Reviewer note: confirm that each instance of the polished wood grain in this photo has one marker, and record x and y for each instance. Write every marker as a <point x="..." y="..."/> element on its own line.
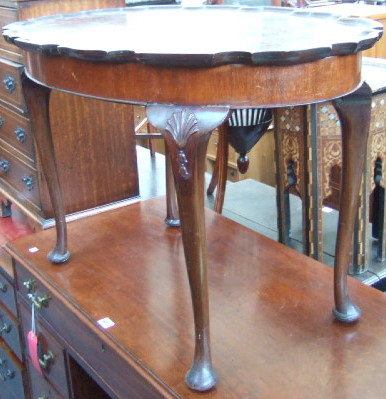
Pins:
<point x="38" y="98"/>
<point x="5" y="260"/>
<point x="354" y="114"/>
<point x="219" y="175"/>
<point x="95" y="148"/>
<point x="172" y="216"/>
<point x="187" y="131"/>
<point x="257" y="58"/>
<point x="283" y="85"/>
<point x="241" y="29"/>
<point x="272" y="327"/>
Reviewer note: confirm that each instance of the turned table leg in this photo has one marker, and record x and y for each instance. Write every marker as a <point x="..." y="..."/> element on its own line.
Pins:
<point x="354" y="111"/>
<point x="187" y="131"/>
<point x="37" y="98"/>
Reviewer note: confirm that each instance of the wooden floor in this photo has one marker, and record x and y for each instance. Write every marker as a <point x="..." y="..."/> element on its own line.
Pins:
<point x="272" y="329"/>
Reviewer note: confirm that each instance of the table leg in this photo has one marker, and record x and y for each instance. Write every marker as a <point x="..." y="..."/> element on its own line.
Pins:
<point x="37" y="98"/>
<point x="172" y="218"/>
<point x="187" y="131"/>
<point x="222" y="156"/>
<point x="354" y="111"/>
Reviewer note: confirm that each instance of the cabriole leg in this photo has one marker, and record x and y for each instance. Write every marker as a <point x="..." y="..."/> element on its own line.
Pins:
<point x="187" y="131"/>
<point x="354" y="111"/>
<point x="37" y="98"/>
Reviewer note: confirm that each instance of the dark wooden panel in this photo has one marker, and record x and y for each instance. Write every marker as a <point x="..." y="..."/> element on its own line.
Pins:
<point x="56" y="370"/>
<point x="95" y="146"/>
<point x="15" y="129"/>
<point x="6" y="266"/>
<point x="83" y="385"/>
<point x="9" y="331"/>
<point x="272" y="328"/>
<point x="11" y="93"/>
<point x="40" y="387"/>
<point x="20" y="175"/>
<point x="85" y="341"/>
<point x="7" y="294"/>
<point x="13" y="375"/>
<point x="285" y="85"/>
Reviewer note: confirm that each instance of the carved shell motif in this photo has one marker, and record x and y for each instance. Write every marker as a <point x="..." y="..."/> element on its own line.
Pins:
<point x="181" y="126"/>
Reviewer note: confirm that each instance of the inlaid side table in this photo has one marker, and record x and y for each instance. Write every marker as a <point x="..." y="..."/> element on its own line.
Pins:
<point x="190" y="80"/>
<point x="314" y="175"/>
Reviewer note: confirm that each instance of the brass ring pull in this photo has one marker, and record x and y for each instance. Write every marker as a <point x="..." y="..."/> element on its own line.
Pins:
<point x="46" y="360"/>
<point x="6" y="329"/>
<point x="39" y="301"/>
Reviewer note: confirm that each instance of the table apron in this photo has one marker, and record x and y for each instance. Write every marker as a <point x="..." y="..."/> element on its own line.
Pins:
<point x="237" y="86"/>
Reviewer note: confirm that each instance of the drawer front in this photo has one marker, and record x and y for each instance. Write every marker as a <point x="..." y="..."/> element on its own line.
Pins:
<point x="101" y="359"/>
<point x="15" y="130"/>
<point x="40" y="387"/>
<point x="9" y="331"/>
<point x="19" y="175"/>
<point x="11" y="376"/>
<point x="51" y="353"/>
<point x="7" y="50"/>
<point x="7" y="294"/>
<point x="29" y="288"/>
<point x="11" y="92"/>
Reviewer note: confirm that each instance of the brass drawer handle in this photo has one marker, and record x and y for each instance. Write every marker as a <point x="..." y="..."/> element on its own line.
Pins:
<point x="20" y="134"/>
<point x="30" y="284"/>
<point x="10" y="84"/>
<point x="29" y="182"/>
<point x="9" y="374"/>
<point x="4" y="165"/>
<point x="6" y="329"/>
<point x="3" y="287"/>
<point x="39" y="301"/>
<point x="46" y="359"/>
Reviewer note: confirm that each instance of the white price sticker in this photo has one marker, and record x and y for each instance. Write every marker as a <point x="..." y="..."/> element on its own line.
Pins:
<point x="106" y="323"/>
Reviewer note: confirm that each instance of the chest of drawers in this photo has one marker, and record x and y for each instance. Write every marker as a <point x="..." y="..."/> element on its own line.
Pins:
<point x="87" y="183"/>
<point x="13" y="375"/>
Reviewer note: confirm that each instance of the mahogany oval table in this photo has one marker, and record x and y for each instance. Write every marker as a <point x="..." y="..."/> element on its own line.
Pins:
<point x="190" y="66"/>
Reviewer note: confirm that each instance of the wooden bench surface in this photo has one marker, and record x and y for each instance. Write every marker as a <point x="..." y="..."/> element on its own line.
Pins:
<point x="273" y="334"/>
